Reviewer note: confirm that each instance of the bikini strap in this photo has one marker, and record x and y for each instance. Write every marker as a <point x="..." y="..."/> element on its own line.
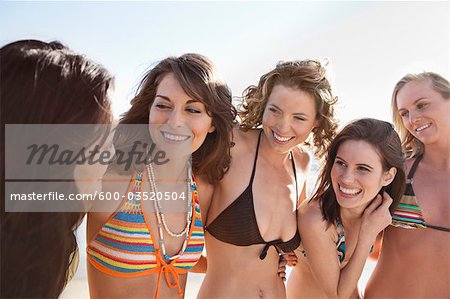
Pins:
<point x="409" y="178"/>
<point x="295" y="176"/>
<point x="256" y="158"/>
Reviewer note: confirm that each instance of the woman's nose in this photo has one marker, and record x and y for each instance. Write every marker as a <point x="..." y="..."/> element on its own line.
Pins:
<point x="176" y="119"/>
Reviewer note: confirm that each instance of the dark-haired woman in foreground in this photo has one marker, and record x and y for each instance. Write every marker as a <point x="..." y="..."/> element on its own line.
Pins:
<point x="47" y="83"/>
<point x="144" y="248"/>
<point x="362" y="178"/>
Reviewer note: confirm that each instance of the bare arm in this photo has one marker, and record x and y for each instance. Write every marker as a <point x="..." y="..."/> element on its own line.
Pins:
<point x="321" y="249"/>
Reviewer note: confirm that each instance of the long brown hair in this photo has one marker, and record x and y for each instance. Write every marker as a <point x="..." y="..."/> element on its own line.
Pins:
<point x="382" y="136"/>
<point x="412" y="146"/>
<point x="44" y="83"/>
<point x="195" y="73"/>
<point x="307" y="75"/>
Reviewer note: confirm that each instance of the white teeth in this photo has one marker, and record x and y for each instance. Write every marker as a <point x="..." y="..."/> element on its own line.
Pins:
<point x="280" y="138"/>
<point x="419" y="129"/>
<point x="172" y="137"/>
<point x="349" y="191"/>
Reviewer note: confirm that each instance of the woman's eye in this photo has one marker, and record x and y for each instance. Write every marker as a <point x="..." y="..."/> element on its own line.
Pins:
<point x="300" y="118"/>
<point x="162" y="106"/>
<point x="271" y="109"/>
<point x="363" y="169"/>
<point x="193" y="110"/>
<point x="404" y="114"/>
<point x="421" y="105"/>
<point x="339" y="163"/>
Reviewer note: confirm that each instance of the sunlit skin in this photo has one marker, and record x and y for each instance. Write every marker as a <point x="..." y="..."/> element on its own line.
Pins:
<point x="176" y="121"/>
<point x="424" y="112"/>
<point x="357" y="176"/>
<point x="236" y="271"/>
<point x="414" y="263"/>
<point x="288" y="118"/>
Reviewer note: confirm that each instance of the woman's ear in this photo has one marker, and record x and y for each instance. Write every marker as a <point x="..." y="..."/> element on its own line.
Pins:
<point x="389" y="176"/>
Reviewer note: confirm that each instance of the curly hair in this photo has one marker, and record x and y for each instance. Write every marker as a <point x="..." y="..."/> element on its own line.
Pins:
<point x="195" y="73"/>
<point x="306" y="75"/>
<point x="411" y="145"/>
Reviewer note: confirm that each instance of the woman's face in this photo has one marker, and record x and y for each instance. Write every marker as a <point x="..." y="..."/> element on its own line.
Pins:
<point x="178" y="123"/>
<point x="288" y="118"/>
<point x="357" y="174"/>
<point x="424" y="112"/>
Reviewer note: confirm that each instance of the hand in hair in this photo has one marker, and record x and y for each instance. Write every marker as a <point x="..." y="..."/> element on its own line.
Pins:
<point x="376" y="217"/>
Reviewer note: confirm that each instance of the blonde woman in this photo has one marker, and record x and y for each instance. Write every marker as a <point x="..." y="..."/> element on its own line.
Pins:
<point x="415" y="256"/>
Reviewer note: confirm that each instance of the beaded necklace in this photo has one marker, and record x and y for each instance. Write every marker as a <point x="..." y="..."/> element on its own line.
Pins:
<point x="162" y="223"/>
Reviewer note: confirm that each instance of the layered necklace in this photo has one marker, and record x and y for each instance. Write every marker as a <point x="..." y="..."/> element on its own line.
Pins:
<point x="162" y="223"/>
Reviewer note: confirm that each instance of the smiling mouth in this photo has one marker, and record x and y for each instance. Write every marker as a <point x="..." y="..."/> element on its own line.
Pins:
<point x="348" y="191"/>
<point x="280" y="138"/>
<point x="175" y="137"/>
<point x="421" y="128"/>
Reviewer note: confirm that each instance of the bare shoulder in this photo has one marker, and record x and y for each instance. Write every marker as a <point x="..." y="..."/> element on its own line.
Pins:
<point x="243" y="140"/>
<point x="311" y="223"/>
<point x="309" y="213"/>
<point x="205" y="192"/>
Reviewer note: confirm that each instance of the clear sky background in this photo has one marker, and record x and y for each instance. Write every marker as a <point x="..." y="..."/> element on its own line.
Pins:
<point x="370" y="45"/>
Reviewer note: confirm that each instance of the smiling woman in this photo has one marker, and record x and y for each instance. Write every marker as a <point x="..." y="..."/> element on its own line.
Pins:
<point x="362" y="179"/>
<point x="415" y="252"/>
<point x="145" y="249"/>
<point x="253" y="216"/>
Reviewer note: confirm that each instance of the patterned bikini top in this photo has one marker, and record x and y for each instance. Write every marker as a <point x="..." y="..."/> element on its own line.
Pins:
<point x="340" y="243"/>
<point x="408" y="213"/>
<point x="125" y="245"/>
<point x="237" y="223"/>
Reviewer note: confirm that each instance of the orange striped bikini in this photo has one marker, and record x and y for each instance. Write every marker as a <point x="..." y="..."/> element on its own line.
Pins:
<point x="125" y="247"/>
<point x="408" y="213"/>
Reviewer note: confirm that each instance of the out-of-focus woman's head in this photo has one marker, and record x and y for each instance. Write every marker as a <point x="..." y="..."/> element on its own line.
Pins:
<point x="45" y="83"/>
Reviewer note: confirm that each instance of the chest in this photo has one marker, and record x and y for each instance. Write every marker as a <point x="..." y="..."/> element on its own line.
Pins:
<point x="432" y="192"/>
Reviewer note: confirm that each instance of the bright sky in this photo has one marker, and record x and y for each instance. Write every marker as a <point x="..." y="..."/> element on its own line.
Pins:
<point x="370" y="44"/>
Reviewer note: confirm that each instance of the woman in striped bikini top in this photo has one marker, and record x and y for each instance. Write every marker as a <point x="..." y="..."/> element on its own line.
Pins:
<point x="408" y="213"/>
<point x="415" y="253"/>
<point x="125" y="245"/>
<point x="132" y="249"/>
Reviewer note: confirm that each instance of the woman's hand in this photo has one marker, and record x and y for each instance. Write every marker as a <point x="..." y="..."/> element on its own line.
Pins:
<point x="376" y="217"/>
<point x="289" y="259"/>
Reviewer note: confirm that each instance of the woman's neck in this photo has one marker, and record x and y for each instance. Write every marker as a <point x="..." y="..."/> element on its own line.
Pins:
<point x="175" y="169"/>
<point x="270" y="155"/>
<point x="437" y="156"/>
<point x="351" y="217"/>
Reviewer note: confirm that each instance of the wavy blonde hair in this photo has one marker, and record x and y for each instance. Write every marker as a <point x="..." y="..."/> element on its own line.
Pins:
<point x="412" y="146"/>
<point x="306" y="75"/>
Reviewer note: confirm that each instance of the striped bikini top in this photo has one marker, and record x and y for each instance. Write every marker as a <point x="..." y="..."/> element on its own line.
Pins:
<point x="125" y="245"/>
<point x="408" y="213"/>
<point x="340" y="243"/>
